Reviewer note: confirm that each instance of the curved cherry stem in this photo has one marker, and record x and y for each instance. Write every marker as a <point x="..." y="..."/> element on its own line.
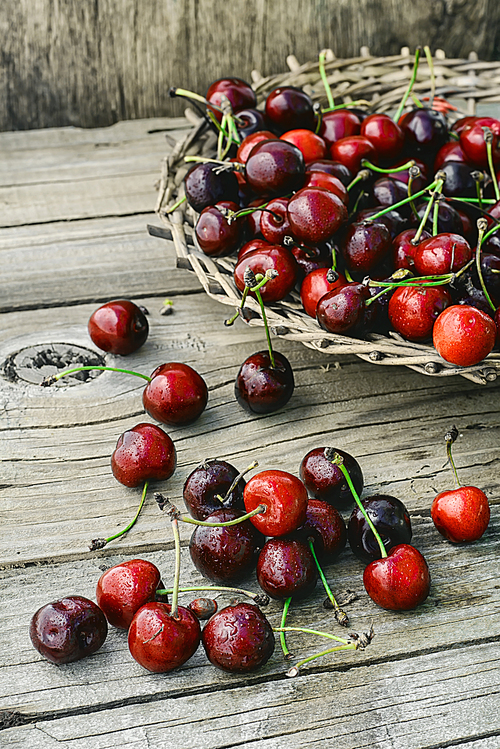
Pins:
<point x="340" y="615"/>
<point x="415" y="282"/>
<point x="373" y="168"/>
<point x="259" y="510"/>
<point x="238" y="478"/>
<point x="488" y="138"/>
<point x="282" y="629"/>
<point x="261" y="599"/>
<point x="322" y="72"/>
<point x="338" y="460"/>
<point x="361" y="176"/>
<point x="294" y="670"/>
<point x="230" y="166"/>
<point x="403" y="202"/>
<point x="51" y="379"/>
<point x="348" y="105"/>
<point x="100" y="543"/>
<point x="307" y="631"/>
<point x="481" y="227"/>
<point x="410" y="86"/>
<point x="450" y="438"/>
<point x="174" y="612"/>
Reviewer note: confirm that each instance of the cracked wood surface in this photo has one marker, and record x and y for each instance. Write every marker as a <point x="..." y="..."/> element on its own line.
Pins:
<point x="430" y="677"/>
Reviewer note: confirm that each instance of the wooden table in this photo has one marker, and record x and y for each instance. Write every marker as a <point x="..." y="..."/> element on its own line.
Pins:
<point x="74" y="205"/>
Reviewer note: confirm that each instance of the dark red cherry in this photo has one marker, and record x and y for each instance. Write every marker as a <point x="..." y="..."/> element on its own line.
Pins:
<point x="142" y="453"/>
<point x="312" y="146"/>
<point x="205" y="185"/>
<point x="425" y="131"/>
<point x="119" y="327"/>
<point x="285" y="498"/>
<point x="451" y="151"/>
<point x="490" y="270"/>
<point x="239" y="93"/>
<point x="344" y="310"/>
<point x="413" y="310"/>
<point x="365" y="245"/>
<point x="123" y="589"/>
<point x="385" y="134"/>
<point x="387" y="191"/>
<point x="286" y="568"/>
<point x="209" y="481"/>
<point x="238" y="638"/>
<point x="262" y="388"/>
<point x="461" y="514"/>
<point x="314" y="286"/>
<point x="225" y="555"/>
<point x="352" y="150"/>
<point x="328" y="182"/>
<point x="311" y="258"/>
<point x="274" y="223"/>
<point x="315" y="214"/>
<point x="68" y="630"/>
<point x="326" y="527"/>
<point x="161" y="642"/>
<point x="339" y="124"/>
<point x="393" y="221"/>
<point x="177" y="394"/>
<point x="275" y="258"/>
<point x="391" y="519"/>
<point x="249" y="121"/>
<point x="449" y="220"/>
<point x="399" y="582"/>
<point x="444" y="253"/>
<point x="203" y="608"/>
<point x="334" y="168"/>
<point x="403" y="249"/>
<point x="253" y="244"/>
<point x="274" y="167"/>
<point x="459" y="182"/>
<point x="217" y="236"/>
<point x="325" y="481"/>
<point x="288" y="108"/>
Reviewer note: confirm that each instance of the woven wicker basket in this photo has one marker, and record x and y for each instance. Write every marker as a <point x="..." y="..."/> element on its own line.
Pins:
<point x="382" y="81"/>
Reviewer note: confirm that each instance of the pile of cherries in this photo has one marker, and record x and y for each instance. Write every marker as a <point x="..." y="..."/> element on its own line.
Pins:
<point x="372" y="220"/>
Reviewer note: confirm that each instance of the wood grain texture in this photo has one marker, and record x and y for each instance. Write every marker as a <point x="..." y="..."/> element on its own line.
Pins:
<point x="91" y="64"/>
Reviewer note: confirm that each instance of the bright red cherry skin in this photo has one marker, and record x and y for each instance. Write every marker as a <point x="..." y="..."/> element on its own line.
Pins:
<point x="239" y="93"/>
<point x="123" y="589"/>
<point x="312" y="146"/>
<point x="444" y="253"/>
<point x="451" y="151"/>
<point x="315" y="214"/>
<point x="142" y="453"/>
<point x="161" y="642"/>
<point x="274" y="223"/>
<point x="403" y="250"/>
<point x="177" y="394"/>
<point x="339" y="124"/>
<point x="273" y="257"/>
<point x="314" y="286"/>
<point x="463" y="335"/>
<point x="399" y="582"/>
<point x="473" y="144"/>
<point x="461" y="514"/>
<point x="413" y="310"/>
<point x="68" y="630"/>
<point x="274" y="167"/>
<point x="334" y="168"/>
<point x="285" y="497"/>
<point x="286" y="568"/>
<point x="352" y="150"/>
<point x="253" y="244"/>
<point x="119" y="327"/>
<point x="238" y="638"/>
<point x="385" y="134"/>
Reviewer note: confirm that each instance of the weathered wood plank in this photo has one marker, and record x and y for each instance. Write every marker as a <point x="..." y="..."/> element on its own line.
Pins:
<point x="129" y="53"/>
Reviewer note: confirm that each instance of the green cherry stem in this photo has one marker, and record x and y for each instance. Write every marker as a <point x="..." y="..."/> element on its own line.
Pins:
<point x="403" y="202"/>
<point x="100" y="543"/>
<point x="488" y="138"/>
<point x="340" y="615"/>
<point x="259" y="510"/>
<point x="266" y="326"/>
<point x="436" y="190"/>
<point x="413" y="173"/>
<point x="361" y="176"/>
<point x="410" y="86"/>
<point x="261" y="599"/>
<point x="294" y="670"/>
<point x="450" y="438"/>
<point x="322" y="72"/>
<point x="373" y="168"/>
<point x="307" y="631"/>
<point x="176" y="205"/>
<point x="482" y="225"/>
<point x="282" y="630"/>
<point x="338" y="460"/>
<point x="177" y="570"/>
<point x="51" y="379"/>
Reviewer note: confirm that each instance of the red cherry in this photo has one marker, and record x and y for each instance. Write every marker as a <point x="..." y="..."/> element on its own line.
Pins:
<point x="253" y="244"/>
<point x="285" y="497"/>
<point x="247" y="144"/>
<point x="239" y="93"/>
<point x="352" y="150"/>
<point x="275" y="258"/>
<point x="124" y="588"/>
<point x="339" y="124"/>
<point x="315" y="214"/>
<point x="365" y="245"/>
<point x="314" y="286"/>
<point x="403" y="250"/>
<point x="326" y="482"/>
<point x="400" y="581"/>
<point x="451" y="151"/>
<point x="413" y="310"/>
<point x="286" y="568"/>
<point x="216" y="236"/>
<point x="288" y="107"/>
<point x="473" y="143"/>
<point x="274" y="223"/>
<point x="312" y="146"/>
<point x="142" y="453"/>
<point x="327" y="527"/>
<point x="444" y="253"/>
<point x="262" y="388"/>
<point x="177" y="394"/>
<point x="328" y="182"/>
<point x="274" y="167"/>
<point x="385" y="134"/>
<point x="119" y="327"/>
<point x="461" y="514"/>
<point x="161" y="642"/>
<point x="344" y="309"/>
<point x="334" y="168"/>
<point x="464" y="335"/>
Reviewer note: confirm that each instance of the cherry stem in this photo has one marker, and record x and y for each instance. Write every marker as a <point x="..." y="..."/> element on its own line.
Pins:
<point x="435" y="218"/>
<point x="261" y="599"/>
<point x="259" y="510"/>
<point x="361" y="176"/>
<point x="488" y="137"/>
<point x="239" y="477"/>
<point x="322" y="73"/>
<point x="175" y="205"/>
<point x="450" y="438"/>
<point x="266" y="326"/>
<point x="428" y="57"/>
<point x="410" y="86"/>
<point x="286" y="653"/>
<point x="337" y="460"/>
<point x="415" y="282"/>
<point x="100" y="543"/>
<point x="340" y="615"/>
<point x="436" y="188"/>
<point x="307" y="631"/>
<point x="481" y="227"/>
<point x="294" y="671"/>
<point x="174" y="611"/>
<point x="185" y="94"/>
<point x="51" y="379"/>
<point x="402" y="202"/>
<point x="413" y="173"/>
<point x="403" y="168"/>
<point x="229" y="165"/>
<point x="347" y="105"/>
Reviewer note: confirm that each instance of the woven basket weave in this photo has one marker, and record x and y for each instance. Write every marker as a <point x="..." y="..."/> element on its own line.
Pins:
<point x="382" y="81"/>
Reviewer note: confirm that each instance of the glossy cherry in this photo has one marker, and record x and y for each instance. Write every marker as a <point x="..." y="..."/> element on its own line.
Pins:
<point x="425" y="131"/>
<point x="385" y="134"/>
<point x="209" y="481"/>
<point x="391" y="519"/>
<point x="161" y="642"/>
<point x="288" y="108"/>
<point x="142" y="453"/>
<point x="315" y="214"/>
<point x="344" y="310"/>
<point x="217" y="236"/>
<point x="124" y="588"/>
<point x="206" y="185"/>
<point x="365" y="245"/>
<point x="328" y="182"/>
<point x="247" y="144"/>
<point x="176" y="394"/>
<point x="228" y="554"/>
<point x="312" y="146"/>
<point x="310" y="259"/>
<point x="203" y="608"/>
<point x="285" y="498"/>
<point x="399" y="582"/>
<point x="444" y="253"/>
<point x="119" y="327"/>
<point x="461" y="514"/>
<point x="238" y="92"/>
<point x="339" y="124"/>
<point x="274" y="167"/>
<point x="473" y="143"/>
<point x="404" y="248"/>
<point x="335" y="168"/>
<point x="274" y="223"/>
<point x="68" y="630"/>
<point x="326" y="527"/>
<point x="286" y="568"/>
<point x="352" y="150"/>
<point x="275" y="258"/>
<point x="262" y="387"/>
<point x="325" y="481"/>
<point x="464" y="335"/>
<point x="238" y="638"/>
<point x="315" y="285"/>
<point x="413" y="310"/>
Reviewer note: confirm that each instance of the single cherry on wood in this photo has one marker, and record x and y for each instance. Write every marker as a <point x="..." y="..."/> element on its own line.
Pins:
<point x="119" y="327"/>
<point x="124" y="588"/>
<point x="176" y="394"/>
<point x="142" y="453"/>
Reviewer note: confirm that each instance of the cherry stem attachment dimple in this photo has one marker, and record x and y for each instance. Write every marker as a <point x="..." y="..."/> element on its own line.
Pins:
<point x="51" y="379"/>
<point x="410" y="86"/>
<point x="284" y="647"/>
<point x="340" y="615"/>
<point x="336" y="459"/>
<point x="261" y="599"/>
<point x="450" y="438"/>
<point x="100" y="543"/>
